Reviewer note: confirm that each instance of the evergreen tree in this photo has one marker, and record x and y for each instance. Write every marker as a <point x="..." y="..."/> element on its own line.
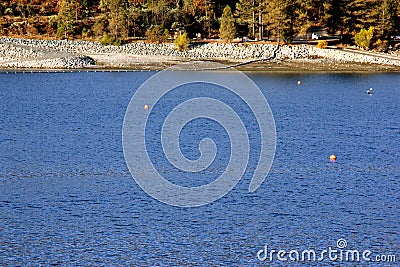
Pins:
<point x="67" y="16"/>
<point x="273" y="17"/>
<point x="284" y="18"/>
<point x="387" y="19"/>
<point x="227" y="30"/>
<point x="116" y="14"/>
<point x="289" y="12"/>
<point x="315" y="9"/>
<point x="338" y="16"/>
<point x="364" y="13"/>
<point x="247" y="11"/>
<point x="305" y="15"/>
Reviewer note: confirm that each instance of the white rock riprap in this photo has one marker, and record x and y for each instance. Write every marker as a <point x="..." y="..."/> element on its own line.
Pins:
<point x="19" y="55"/>
<point x="10" y="52"/>
<point x="345" y="56"/>
<point x="74" y="62"/>
<point x="29" y="53"/>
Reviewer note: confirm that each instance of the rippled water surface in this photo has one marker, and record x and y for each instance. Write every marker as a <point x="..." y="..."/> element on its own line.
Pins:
<point x="67" y="197"/>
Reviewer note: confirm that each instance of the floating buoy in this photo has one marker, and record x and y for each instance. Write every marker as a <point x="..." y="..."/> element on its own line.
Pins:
<point x="299" y="82"/>
<point x="146" y="107"/>
<point x="369" y="91"/>
<point x="332" y="158"/>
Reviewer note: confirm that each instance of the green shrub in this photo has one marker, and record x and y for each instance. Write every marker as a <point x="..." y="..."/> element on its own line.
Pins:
<point x="8" y="11"/>
<point x="363" y="38"/>
<point x="84" y="33"/>
<point x="157" y="34"/>
<point x="182" y="42"/>
<point x="381" y="46"/>
<point x="117" y="42"/>
<point x="109" y="40"/>
<point x="322" y="44"/>
<point x="99" y="27"/>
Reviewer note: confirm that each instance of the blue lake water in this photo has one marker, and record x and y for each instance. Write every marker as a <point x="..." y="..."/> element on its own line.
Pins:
<point x="67" y="197"/>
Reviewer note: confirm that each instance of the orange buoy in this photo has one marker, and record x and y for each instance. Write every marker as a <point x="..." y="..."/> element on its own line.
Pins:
<point x="146" y="107"/>
<point x="332" y="158"/>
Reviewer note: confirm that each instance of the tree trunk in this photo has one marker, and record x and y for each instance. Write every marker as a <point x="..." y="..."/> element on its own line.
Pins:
<point x="254" y="24"/>
<point x="260" y="26"/>
<point x="254" y="19"/>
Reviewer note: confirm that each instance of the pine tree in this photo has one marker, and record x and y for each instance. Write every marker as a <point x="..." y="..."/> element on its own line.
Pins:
<point x="364" y="13"/>
<point x="315" y="9"/>
<point x="289" y="9"/>
<point x="387" y="19"/>
<point x="67" y="16"/>
<point x="285" y="18"/>
<point x="227" y="30"/>
<point x="247" y="11"/>
<point x="305" y="15"/>
<point x="117" y="16"/>
<point x="273" y="15"/>
<point x="338" y="16"/>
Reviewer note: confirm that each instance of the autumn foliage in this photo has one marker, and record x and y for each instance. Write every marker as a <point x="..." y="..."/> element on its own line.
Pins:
<point x="262" y="19"/>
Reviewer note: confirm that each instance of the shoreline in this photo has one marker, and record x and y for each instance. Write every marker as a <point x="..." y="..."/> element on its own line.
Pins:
<point x="285" y="67"/>
<point x="17" y="54"/>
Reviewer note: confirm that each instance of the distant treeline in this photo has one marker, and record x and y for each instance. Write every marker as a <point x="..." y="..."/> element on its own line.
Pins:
<point x="262" y="19"/>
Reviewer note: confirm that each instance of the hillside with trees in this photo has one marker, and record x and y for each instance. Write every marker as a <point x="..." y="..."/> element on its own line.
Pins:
<point x="116" y="20"/>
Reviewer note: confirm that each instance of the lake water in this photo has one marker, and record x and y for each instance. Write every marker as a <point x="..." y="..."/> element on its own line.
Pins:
<point x="67" y="197"/>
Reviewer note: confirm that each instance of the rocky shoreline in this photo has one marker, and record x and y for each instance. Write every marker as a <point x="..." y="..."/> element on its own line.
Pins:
<point x="18" y="53"/>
